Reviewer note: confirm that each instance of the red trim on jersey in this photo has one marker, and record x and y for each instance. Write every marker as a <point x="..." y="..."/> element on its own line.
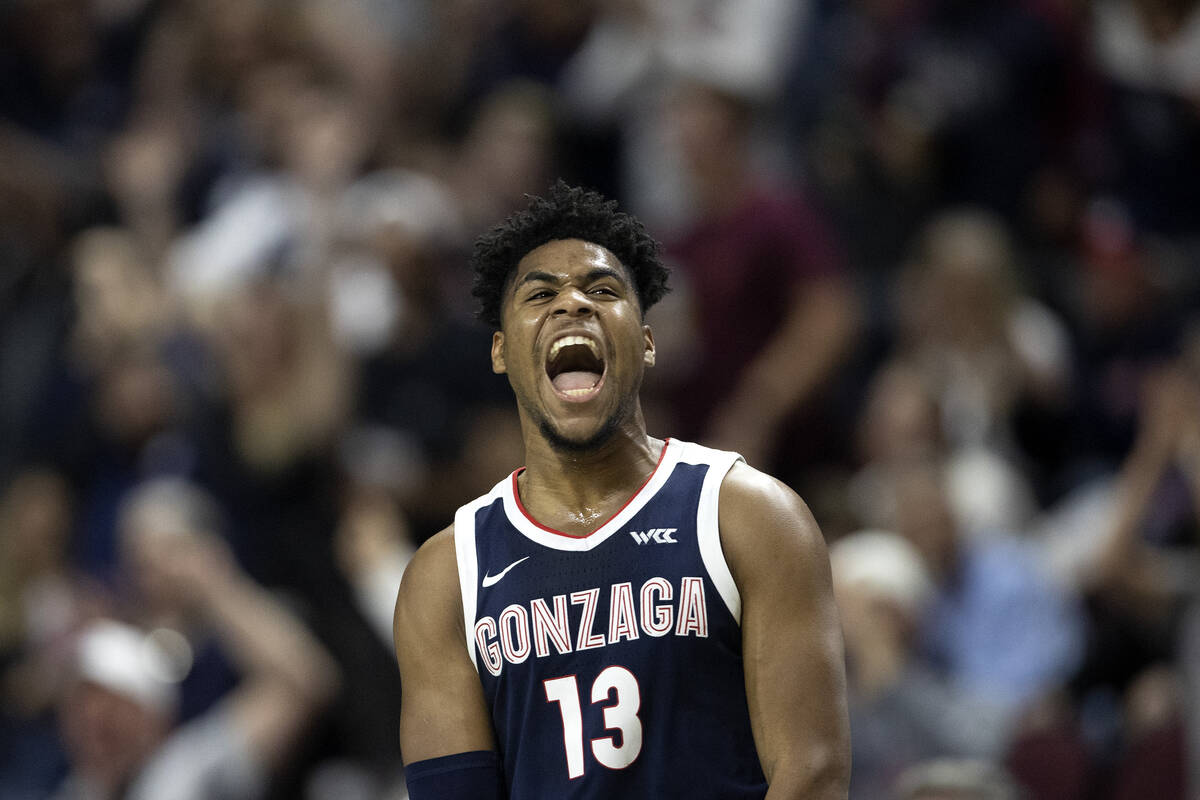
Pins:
<point x="517" y="496"/>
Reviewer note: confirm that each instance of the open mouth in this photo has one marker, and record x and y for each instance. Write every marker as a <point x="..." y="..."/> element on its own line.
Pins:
<point x="575" y="367"/>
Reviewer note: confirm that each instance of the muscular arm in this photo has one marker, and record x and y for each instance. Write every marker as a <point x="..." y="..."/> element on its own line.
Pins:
<point x="791" y="639"/>
<point x="442" y="705"/>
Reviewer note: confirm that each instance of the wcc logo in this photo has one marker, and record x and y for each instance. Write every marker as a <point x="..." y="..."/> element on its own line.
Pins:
<point x="656" y="535"/>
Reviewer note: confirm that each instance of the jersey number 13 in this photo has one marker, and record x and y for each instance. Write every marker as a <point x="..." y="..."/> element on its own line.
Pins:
<point x="612" y="682"/>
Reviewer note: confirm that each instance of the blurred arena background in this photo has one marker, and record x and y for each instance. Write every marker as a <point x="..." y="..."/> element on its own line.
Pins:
<point x="936" y="264"/>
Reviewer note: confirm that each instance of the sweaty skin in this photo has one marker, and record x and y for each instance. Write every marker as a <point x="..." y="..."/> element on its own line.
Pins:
<point x="586" y="454"/>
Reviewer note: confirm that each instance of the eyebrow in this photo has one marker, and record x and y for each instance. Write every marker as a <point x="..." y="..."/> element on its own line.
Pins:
<point x="605" y="272"/>
<point x="536" y="275"/>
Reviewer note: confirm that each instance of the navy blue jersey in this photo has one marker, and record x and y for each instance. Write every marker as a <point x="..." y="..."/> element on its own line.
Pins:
<point x="612" y="663"/>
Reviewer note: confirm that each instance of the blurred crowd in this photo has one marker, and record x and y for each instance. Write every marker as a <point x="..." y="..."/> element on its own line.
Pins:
<point x="936" y="264"/>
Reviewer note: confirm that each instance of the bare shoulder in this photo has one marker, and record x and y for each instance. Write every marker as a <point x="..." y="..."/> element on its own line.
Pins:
<point x="442" y="709"/>
<point x="764" y="522"/>
<point x="434" y="561"/>
<point x="791" y="637"/>
<point x="429" y="593"/>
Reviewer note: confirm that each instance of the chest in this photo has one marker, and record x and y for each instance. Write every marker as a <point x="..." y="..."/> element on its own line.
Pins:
<point x="627" y="597"/>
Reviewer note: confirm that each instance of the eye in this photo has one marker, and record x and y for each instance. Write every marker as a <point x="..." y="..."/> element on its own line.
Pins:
<point x="604" y="290"/>
<point x="541" y="294"/>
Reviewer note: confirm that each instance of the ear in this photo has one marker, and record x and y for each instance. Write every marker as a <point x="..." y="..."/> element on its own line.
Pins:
<point x="498" y="353"/>
<point x="648" y="353"/>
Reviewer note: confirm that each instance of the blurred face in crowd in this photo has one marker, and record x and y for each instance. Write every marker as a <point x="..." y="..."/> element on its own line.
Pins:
<point x="960" y="291"/>
<point x="135" y="399"/>
<point x="258" y="339"/>
<point x="34" y="523"/>
<point x="153" y="541"/>
<point x="900" y="419"/>
<point x="116" y="298"/>
<point x="325" y="139"/>
<point x="510" y="146"/>
<point x="708" y="125"/>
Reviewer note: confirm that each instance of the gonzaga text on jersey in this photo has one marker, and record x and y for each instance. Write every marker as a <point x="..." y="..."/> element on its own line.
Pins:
<point x="661" y="609"/>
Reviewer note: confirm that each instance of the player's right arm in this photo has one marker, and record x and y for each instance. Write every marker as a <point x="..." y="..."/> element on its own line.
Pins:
<point x="443" y="712"/>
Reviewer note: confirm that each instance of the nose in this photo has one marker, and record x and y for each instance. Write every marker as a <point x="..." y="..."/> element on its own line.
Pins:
<point x="573" y="302"/>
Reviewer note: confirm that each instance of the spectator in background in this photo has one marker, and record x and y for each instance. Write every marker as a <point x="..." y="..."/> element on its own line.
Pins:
<point x="1140" y="588"/>
<point x="288" y="387"/>
<point x="981" y="81"/>
<point x="145" y="167"/>
<point x="34" y="309"/>
<point x="44" y="600"/>
<point x="115" y="404"/>
<point x="998" y="362"/>
<point x="161" y="520"/>
<point x="265" y="450"/>
<point x="64" y="87"/>
<point x="774" y="314"/>
<point x="867" y="157"/>
<point x="1126" y="542"/>
<point x="38" y="587"/>
<point x="373" y="541"/>
<point x="622" y="74"/>
<point x="118" y="714"/>
<point x="530" y="40"/>
<point x="374" y="544"/>
<point x="905" y="107"/>
<point x="421" y="378"/>
<point x="508" y="151"/>
<point x="902" y="711"/>
<point x="901" y="422"/>
<point x="1126" y="307"/>
<point x="119" y="301"/>
<point x="277" y="216"/>
<point x="999" y="628"/>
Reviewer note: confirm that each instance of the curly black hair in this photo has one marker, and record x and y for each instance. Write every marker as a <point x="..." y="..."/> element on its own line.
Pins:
<point x="567" y="212"/>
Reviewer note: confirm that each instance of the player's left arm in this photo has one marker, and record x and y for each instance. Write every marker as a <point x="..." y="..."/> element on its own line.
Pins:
<point x="791" y="637"/>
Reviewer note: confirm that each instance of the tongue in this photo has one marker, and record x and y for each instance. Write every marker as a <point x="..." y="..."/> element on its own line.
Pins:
<point x="568" y="381"/>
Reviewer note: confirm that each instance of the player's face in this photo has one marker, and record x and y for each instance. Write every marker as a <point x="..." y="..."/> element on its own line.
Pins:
<point x="572" y="342"/>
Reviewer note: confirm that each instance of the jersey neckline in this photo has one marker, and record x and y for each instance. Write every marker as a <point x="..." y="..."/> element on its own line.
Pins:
<point x="524" y="522"/>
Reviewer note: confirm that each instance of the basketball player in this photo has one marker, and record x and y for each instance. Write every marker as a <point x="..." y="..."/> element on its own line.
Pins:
<point x="624" y="617"/>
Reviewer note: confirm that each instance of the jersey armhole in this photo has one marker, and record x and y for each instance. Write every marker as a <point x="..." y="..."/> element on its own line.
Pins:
<point x="468" y="571"/>
<point x="708" y="533"/>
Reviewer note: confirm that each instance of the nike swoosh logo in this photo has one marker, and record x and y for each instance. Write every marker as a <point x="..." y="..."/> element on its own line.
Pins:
<point x="492" y="580"/>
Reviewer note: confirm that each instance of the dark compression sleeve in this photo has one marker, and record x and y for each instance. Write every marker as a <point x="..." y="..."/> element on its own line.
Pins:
<point x="463" y="776"/>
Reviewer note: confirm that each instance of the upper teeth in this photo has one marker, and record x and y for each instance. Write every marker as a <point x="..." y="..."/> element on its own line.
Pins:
<point x="557" y="347"/>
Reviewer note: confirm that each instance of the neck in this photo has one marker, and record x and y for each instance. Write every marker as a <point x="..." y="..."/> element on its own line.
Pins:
<point x="577" y="491"/>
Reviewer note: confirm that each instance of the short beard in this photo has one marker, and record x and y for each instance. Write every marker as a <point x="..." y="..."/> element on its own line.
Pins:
<point x="562" y="444"/>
